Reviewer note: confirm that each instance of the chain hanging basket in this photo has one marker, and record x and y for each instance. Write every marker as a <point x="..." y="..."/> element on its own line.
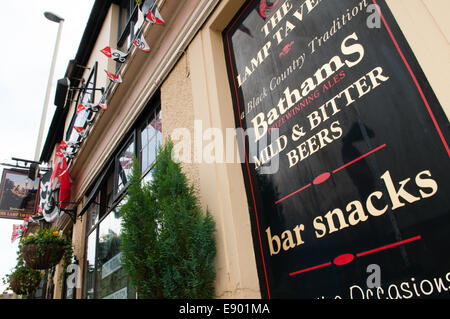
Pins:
<point x="42" y="256"/>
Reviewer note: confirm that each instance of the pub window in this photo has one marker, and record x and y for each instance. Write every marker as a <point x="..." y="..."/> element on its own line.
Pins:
<point x="103" y="274"/>
<point x="112" y="280"/>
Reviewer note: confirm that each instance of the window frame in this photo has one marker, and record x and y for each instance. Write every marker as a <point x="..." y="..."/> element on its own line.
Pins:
<point x="156" y="110"/>
<point x="117" y="193"/>
<point x="85" y="272"/>
<point x="128" y="30"/>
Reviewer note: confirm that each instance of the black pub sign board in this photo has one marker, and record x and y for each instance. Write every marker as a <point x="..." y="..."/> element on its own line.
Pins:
<point x="346" y="152"/>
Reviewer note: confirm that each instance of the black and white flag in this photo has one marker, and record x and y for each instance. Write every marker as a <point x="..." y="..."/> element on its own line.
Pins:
<point x="141" y="43"/>
<point x="114" y="54"/>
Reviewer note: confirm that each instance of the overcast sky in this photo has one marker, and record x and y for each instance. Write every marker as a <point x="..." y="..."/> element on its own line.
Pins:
<point x="27" y="45"/>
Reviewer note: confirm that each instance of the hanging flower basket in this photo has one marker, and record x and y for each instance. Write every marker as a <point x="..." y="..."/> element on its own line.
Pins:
<point x="42" y="256"/>
<point x="24" y="285"/>
<point x="45" y="249"/>
<point x="23" y="280"/>
<point x="15" y="286"/>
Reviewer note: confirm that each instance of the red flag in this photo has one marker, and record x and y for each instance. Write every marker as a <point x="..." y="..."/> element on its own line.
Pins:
<point x="154" y="18"/>
<point x="64" y="190"/>
<point x="60" y="179"/>
<point x="107" y="51"/>
<point x="80" y="108"/>
<point x="79" y="129"/>
<point x="113" y="77"/>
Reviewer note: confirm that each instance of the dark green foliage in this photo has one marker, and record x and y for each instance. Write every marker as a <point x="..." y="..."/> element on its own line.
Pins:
<point x="168" y="243"/>
<point x="23" y="280"/>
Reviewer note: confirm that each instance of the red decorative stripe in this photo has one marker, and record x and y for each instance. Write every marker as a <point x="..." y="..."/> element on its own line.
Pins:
<point x="347" y="258"/>
<point x="388" y="246"/>
<point x="293" y="193"/>
<point x="359" y="158"/>
<point x="309" y="269"/>
<point x="323" y="177"/>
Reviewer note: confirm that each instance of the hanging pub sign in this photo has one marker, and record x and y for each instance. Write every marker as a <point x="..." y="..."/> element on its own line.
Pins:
<point x="346" y="152"/>
<point x="18" y="194"/>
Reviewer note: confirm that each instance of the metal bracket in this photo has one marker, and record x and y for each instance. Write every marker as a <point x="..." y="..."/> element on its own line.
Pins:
<point x="71" y="212"/>
<point x="86" y="89"/>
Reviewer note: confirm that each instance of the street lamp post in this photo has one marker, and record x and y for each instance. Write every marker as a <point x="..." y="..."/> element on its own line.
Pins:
<point x="52" y="17"/>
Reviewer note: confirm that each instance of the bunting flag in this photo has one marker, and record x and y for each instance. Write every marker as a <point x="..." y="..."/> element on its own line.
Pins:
<point x="18" y="230"/>
<point x="73" y="144"/>
<point x="79" y="129"/>
<point x="65" y="153"/>
<point x="114" y="54"/>
<point x="68" y="154"/>
<point x="15" y="233"/>
<point x="91" y="106"/>
<point x="154" y="17"/>
<point x="113" y="77"/>
<point x="59" y="152"/>
<point x="141" y="43"/>
<point x="29" y="219"/>
<point x="80" y="108"/>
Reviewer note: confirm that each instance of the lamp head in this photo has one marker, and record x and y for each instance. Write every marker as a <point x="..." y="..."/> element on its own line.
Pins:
<point x="53" y="17"/>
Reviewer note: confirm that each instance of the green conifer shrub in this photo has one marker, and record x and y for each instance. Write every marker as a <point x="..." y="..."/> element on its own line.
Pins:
<point x="168" y="243"/>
